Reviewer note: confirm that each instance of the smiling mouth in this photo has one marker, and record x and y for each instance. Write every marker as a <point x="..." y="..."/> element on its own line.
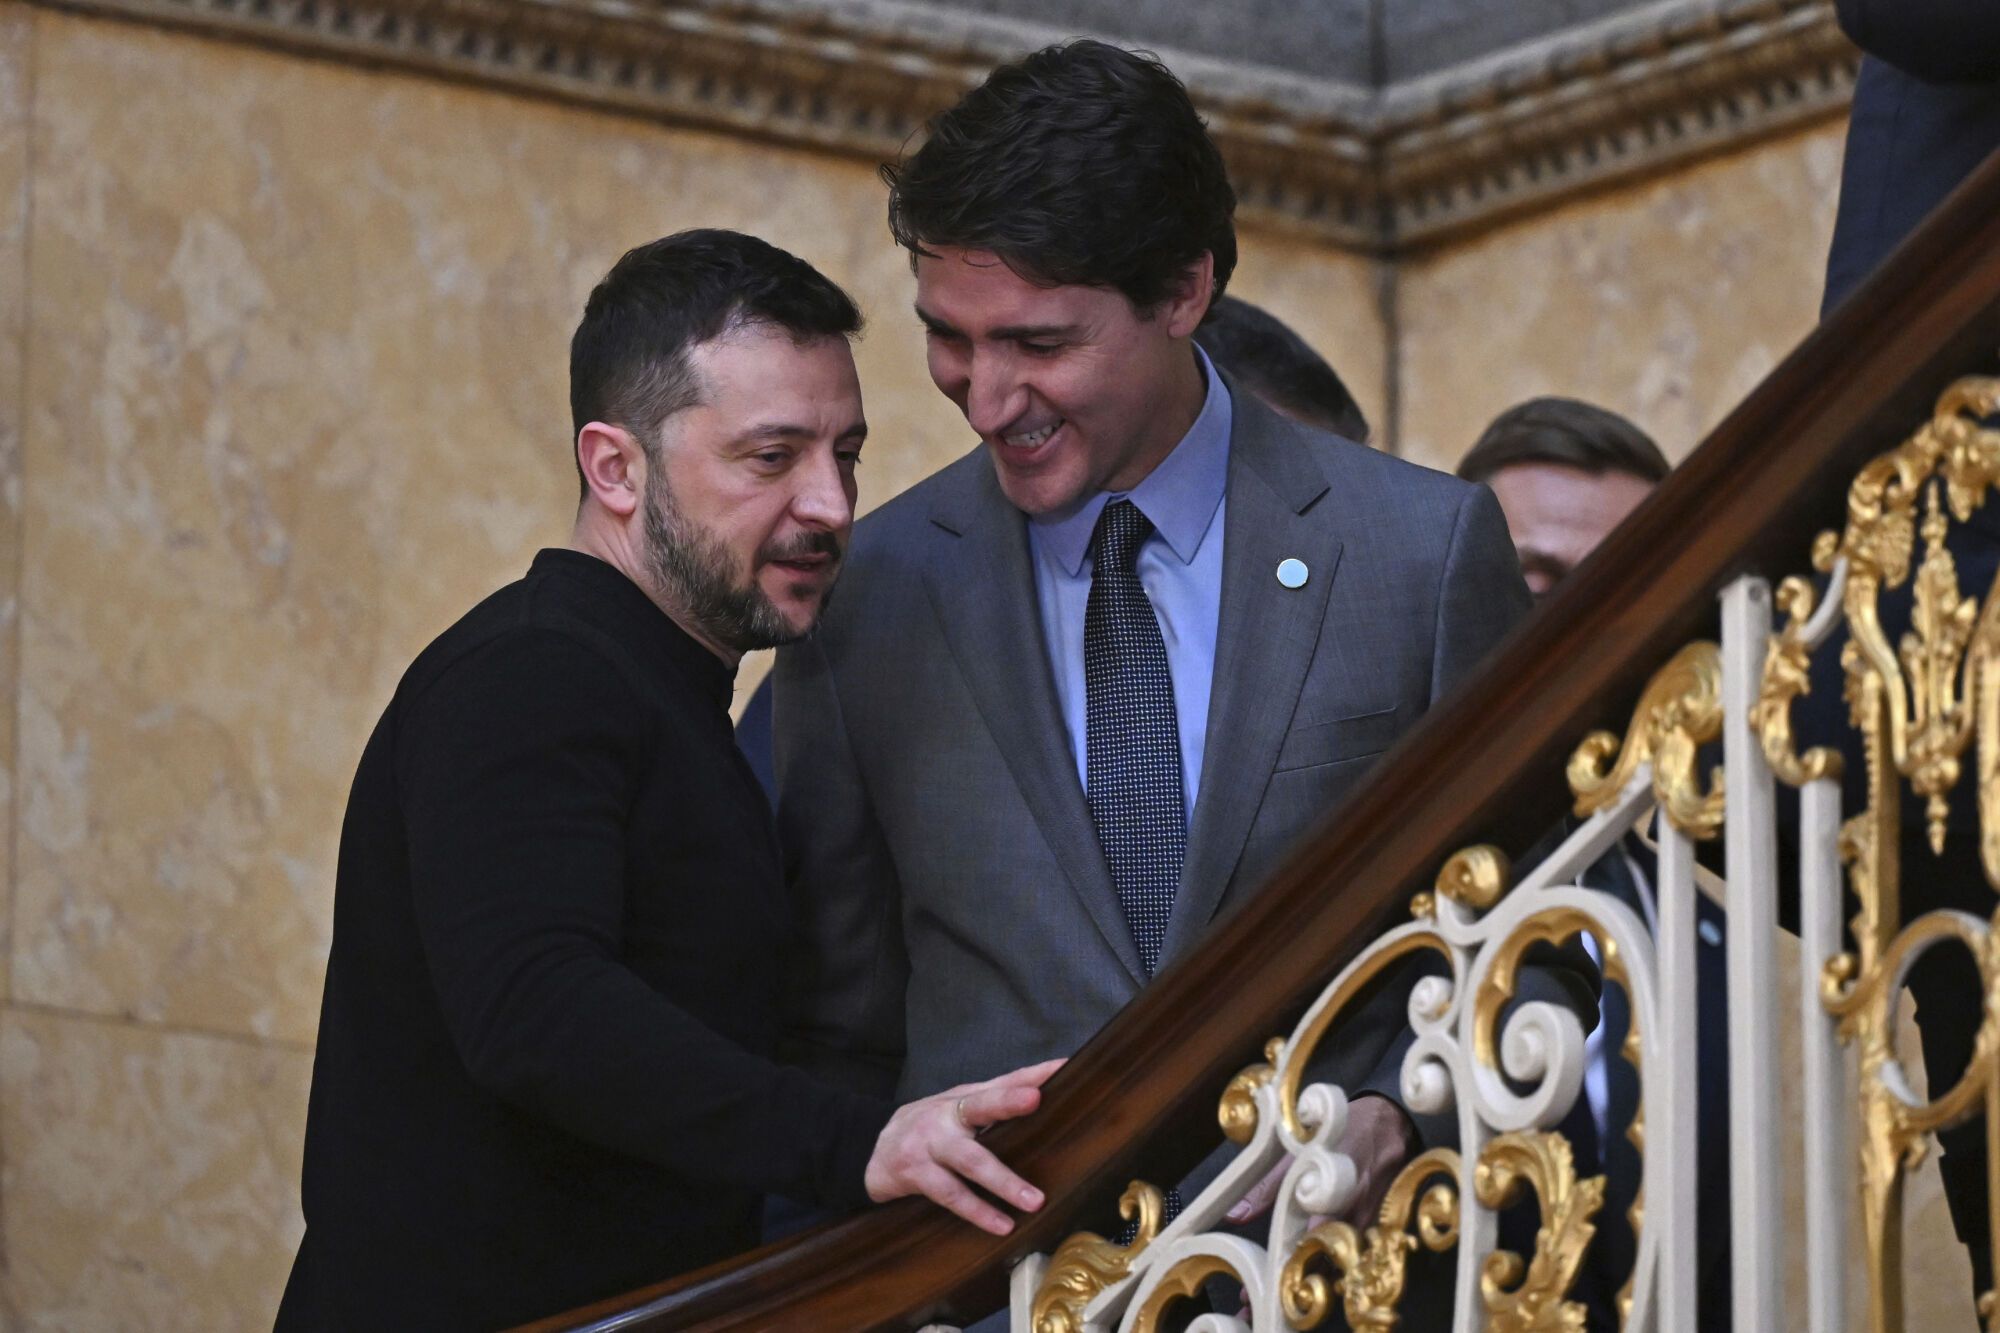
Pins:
<point x="1031" y="439"/>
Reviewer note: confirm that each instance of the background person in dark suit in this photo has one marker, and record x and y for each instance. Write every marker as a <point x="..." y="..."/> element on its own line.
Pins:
<point x="1262" y="353"/>
<point x="1926" y="112"/>
<point x="545" y="1069"/>
<point x="1567" y="473"/>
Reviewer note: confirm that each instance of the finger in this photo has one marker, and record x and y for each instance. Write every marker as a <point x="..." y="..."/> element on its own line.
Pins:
<point x="947" y="1191"/>
<point x="992" y="1105"/>
<point x="1257" y="1200"/>
<point x="1033" y="1075"/>
<point x="983" y="1169"/>
<point x="1028" y="1076"/>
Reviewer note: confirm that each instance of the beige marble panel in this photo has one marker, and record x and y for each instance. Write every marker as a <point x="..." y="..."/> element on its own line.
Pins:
<point x="16" y="78"/>
<point x="1667" y="302"/>
<point x="151" y="1178"/>
<point x="1332" y="300"/>
<point x="302" y="401"/>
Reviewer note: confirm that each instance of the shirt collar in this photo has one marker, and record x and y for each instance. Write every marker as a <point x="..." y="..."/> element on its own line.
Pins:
<point x="628" y="616"/>
<point x="1180" y="496"/>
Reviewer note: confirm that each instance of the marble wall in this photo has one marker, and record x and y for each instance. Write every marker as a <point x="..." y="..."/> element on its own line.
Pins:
<point x="282" y="391"/>
<point x="1667" y="302"/>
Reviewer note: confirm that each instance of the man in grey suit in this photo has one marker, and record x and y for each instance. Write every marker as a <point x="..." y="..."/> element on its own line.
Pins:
<point x="1087" y="685"/>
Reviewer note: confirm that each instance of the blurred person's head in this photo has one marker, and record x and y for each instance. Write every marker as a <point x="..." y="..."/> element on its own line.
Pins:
<point x="718" y="423"/>
<point x="1069" y="222"/>
<point x="1566" y="473"/>
<point x="1277" y="365"/>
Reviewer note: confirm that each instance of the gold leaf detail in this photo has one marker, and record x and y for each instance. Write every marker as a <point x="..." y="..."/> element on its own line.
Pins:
<point x="1531" y="1298"/>
<point x="1086" y="1263"/>
<point x="1379" y="959"/>
<point x="1476" y="876"/>
<point x="1931" y="652"/>
<point x="1679" y="711"/>
<point x="1787" y="672"/>
<point x="1238" y="1110"/>
<point x="1918" y="707"/>
<point x="1181" y="1282"/>
<point x="1373" y="1268"/>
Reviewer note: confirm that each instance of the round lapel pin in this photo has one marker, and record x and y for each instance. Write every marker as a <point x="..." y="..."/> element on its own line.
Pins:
<point x="1292" y="573"/>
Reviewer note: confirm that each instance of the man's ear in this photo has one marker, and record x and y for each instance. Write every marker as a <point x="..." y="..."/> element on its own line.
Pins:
<point x="1189" y="298"/>
<point x="614" y="467"/>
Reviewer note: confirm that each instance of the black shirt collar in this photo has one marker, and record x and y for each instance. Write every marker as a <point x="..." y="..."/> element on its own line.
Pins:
<point x="626" y="612"/>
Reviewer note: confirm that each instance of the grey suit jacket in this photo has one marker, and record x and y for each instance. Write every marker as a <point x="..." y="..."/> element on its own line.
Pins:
<point x="962" y="919"/>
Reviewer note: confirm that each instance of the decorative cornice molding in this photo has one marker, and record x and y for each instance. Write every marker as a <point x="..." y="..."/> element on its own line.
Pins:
<point x="1375" y="170"/>
<point x="1601" y="104"/>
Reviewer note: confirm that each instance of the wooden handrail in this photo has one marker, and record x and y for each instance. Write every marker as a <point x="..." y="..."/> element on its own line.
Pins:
<point x="1140" y="1098"/>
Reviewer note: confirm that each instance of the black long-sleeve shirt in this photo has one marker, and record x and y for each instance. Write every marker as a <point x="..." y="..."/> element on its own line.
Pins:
<point x="560" y="931"/>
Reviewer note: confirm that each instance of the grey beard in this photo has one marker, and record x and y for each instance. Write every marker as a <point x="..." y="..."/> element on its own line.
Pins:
<point x="691" y="567"/>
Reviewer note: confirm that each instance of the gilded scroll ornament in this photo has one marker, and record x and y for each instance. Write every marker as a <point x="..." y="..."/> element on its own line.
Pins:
<point x="1936" y="682"/>
<point x="1534" y="1299"/>
<point x="1918" y="707"/>
<point x="1386" y="955"/>
<point x="1475" y="877"/>
<point x="1373" y="1267"/>
<point x="1679" y="712"/>
<point x="1787" y="667"/>
<point x="1086" y="1263"/>
<point x="1555" y="927"/>
<point x="1180" y="1283"/>
<point x="1894" y="1131"/>
<point x="1238" y="1109"/>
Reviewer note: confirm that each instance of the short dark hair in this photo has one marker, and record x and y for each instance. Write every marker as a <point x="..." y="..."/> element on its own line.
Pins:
<point x="1567" y="433"/>
<point x="1083" y="163"/>
<point x="628" y="361"/>
<point x="1278" y="366"/>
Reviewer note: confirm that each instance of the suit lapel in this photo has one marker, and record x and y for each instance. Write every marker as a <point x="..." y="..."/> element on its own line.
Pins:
<point x="981" y="586"/>
<point x="1264" y="644"/>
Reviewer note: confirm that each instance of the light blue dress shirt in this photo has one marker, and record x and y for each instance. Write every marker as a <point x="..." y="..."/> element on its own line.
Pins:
<point x="1180" y="567"/>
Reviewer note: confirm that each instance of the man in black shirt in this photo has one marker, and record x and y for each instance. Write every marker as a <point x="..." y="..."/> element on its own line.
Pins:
<point x="544" y="1071"/>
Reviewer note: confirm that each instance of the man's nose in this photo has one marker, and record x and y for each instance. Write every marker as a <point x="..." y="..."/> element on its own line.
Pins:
<point x="823" y="499"/>
<point x="993" y="397"/>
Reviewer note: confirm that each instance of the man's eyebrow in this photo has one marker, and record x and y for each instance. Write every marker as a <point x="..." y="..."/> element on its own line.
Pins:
<point x="1006" y="332"/>
<point x="776" y="430"/>
<point x="932" y="322"/>
<point x="790" y="430"/>
<point x="1034" y="332"/>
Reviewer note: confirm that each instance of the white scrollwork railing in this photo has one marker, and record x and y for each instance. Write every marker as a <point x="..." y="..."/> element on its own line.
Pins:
<point x="1511" y="1071"/>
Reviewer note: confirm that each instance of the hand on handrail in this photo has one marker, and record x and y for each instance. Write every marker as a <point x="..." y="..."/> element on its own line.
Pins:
<point x="929" y="1147"/>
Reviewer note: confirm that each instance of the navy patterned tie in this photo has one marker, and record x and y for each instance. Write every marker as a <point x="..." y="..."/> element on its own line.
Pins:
<point x="1133" y="740"/>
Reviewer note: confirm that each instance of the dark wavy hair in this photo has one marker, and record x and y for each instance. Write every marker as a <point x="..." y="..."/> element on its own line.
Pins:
<point x="628" y="361"/>
<point x="1082" y="163"/>
<point x="1280" y="367"/>
<point x="1568" y="433"/>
